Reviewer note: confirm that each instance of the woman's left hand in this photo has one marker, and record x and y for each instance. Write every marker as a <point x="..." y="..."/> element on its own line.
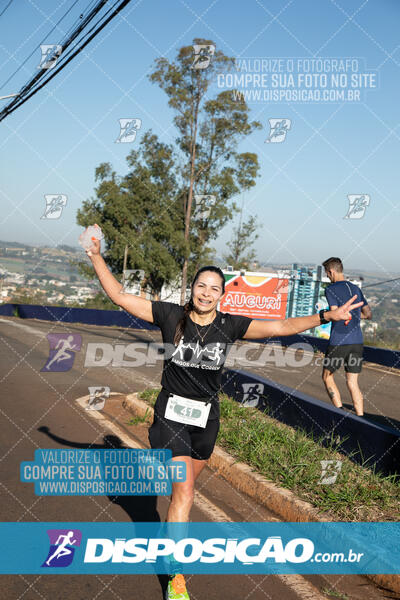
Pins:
<point x="343" y="313"/>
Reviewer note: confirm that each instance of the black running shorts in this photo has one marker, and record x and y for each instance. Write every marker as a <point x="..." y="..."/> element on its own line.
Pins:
<point x="183" y="440"/>
<point x="349" y="355"/>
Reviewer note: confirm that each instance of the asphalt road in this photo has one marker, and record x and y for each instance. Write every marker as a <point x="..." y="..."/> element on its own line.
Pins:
<point x="39" y="410"/>
<point x="302" y="371"/>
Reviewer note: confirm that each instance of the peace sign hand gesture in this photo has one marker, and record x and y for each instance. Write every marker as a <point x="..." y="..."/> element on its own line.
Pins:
<point x="343" y="313"/>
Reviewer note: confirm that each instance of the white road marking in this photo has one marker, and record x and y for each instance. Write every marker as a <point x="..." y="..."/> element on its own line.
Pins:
<point x="25" y="327"/>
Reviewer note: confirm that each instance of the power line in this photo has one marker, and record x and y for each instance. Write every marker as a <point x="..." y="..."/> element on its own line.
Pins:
<point x="379" y="282"/>
<point x="64" y="55"/>
<point x="4" y="9"/>
<point x="26" y="93"/>
<point x="304" y="279"/>
<point x="25" y="89"/>
<point x="38" y="46"/>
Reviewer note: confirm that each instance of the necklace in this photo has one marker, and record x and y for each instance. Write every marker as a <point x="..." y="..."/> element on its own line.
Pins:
<point x="207" y="330"/>
<point x="198" y="332"/>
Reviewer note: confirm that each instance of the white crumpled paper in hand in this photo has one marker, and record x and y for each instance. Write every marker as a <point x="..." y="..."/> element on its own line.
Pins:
<point x="85" y="239"/>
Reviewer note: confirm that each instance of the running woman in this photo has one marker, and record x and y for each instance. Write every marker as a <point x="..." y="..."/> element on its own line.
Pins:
<point x="197" y="337"/>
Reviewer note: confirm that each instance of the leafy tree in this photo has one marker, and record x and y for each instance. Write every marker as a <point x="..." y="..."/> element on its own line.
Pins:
<point x="210" y="130"/>
<point x="140" y="212"/>
<point x="241" y="254"/>
<point x="149" y="213"/>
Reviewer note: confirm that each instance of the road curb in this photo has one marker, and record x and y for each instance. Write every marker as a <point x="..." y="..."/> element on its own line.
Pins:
<point x="280" y="500"/>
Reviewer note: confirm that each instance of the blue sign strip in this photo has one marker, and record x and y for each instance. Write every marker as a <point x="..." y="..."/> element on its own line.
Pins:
<point x="208" y="548"/>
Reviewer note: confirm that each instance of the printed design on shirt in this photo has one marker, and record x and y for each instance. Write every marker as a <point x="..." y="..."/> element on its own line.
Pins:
<point x="190" y="354"/>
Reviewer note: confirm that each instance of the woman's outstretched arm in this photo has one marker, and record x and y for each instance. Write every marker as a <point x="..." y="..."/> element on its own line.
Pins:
<point x="266" y="329"/>
<point x="139" y="307"/>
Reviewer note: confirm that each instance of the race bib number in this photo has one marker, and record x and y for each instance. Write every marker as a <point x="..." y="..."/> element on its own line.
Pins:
<point x="187" y="411"/>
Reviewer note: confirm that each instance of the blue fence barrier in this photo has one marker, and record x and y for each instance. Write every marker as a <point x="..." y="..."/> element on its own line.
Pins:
<point x="8" y="310"/>
<point x="89" y="316"/>
<point x="365" y="442"/>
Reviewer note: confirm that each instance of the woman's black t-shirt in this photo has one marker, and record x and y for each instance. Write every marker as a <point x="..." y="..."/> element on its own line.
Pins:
<point x="193" y="369"/>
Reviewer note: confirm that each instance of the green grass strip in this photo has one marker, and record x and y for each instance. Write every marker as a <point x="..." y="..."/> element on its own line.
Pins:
<point x="291" y="458"/>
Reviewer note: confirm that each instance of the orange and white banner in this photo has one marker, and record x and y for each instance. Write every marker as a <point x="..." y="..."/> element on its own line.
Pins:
<point x="255" y="296"/>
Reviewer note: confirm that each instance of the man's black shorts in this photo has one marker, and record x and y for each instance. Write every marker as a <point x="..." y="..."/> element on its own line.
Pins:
<point x="349" y="355"/>
<point x="183" y="440"/>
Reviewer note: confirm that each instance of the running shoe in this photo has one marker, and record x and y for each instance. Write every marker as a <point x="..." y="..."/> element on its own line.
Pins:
<point x="176" y="589"/>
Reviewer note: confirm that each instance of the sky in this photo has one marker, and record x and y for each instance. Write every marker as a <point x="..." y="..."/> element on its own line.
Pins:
<point x="330" y="154"/>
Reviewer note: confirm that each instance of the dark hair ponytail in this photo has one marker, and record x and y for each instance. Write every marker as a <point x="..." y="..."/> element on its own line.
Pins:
<point x="180" y="328"/>
<point x="189" y="306"/>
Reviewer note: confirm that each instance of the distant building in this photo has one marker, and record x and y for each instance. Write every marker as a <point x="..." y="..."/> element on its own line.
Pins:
<point x="307" y="295"/>
<point x="304" y="290"/>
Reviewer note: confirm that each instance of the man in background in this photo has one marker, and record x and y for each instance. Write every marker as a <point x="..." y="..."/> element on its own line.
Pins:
<point x="346" y="340"/>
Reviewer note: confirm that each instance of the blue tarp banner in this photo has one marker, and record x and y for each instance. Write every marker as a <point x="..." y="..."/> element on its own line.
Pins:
<point x="90" y="316"/>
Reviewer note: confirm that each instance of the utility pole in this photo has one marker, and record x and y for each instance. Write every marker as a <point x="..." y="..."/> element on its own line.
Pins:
<point x="124" y="267"/>
<point x="125" y="263"/>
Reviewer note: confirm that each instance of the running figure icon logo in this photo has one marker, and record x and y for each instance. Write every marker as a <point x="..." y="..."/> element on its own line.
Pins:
<point x="357" y="206"/>
<point x="252" y="393"/>
<point x="128" y="130"/>
<point x="54" y="206"/>
<point x="330" y="470"/>
<point x="278" y="130"/>
<point x="203" y="206"/>
<point x="62" y="547"/>
<point x="202" y="55"/>
<point x="62" y="351"/>
<point x="50" y="55"/>
<point x="97" y="398"/>
<point x="284" y="283"/>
